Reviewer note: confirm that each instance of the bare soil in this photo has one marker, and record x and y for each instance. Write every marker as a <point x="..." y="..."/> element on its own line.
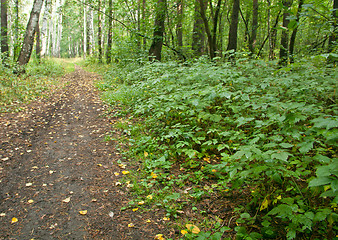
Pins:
<point x="58" y="176"/>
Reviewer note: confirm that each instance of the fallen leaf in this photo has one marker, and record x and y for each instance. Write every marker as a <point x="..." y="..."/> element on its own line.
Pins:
<point x="100" y="165"/>
<point x="159" y="237"/>
<point x="111" y="214"/>
<point x="192" y="228"/>
<point x="214" y="170"/>
<point x="131" y="225"/>
<point x="67" y="200"/>
<point x="118" y="183"/>
<point x="50" y="172"/>
<point x="122" y="165"/>
<point x="29" y="184"/>
<point x="153" y="175"/>
<point x="30" y="201"/>
<point x="29" y="151"/>
<point x="145" y="154"/>
<point x="35" y="167"/>
<point x="5" y="159"/>
<point x="148" y="221"/>
<point x="116" y="173"/>
<point x="125" y="172"/>
<point x="166" y="219"/>
<point x="141" y="203"/>
<point x="83" y="212"/>
<point x="14" y="220"/>
<point x="94" y="200"/>
<point x="2" y="214"/>
<point x="184" y="232"/>
<point x="135" y="209"/>
<point x="44" y="185"/>
<point x="150" y="197"/>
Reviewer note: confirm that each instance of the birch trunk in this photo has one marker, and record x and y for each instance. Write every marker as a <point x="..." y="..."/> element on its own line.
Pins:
<point x="28" y="41"/>
<point x="44" y="33"/>
<point x="4" y="30"/>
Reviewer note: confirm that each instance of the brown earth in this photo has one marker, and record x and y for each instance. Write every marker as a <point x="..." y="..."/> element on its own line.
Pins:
<point x="58" y="177"/>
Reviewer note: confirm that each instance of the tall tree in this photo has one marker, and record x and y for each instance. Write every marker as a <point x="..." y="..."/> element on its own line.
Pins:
<point x="44" y="33"/>
<point x="294" y="32"/>
<point x="110" y="30"/>
<point x="157" y="41"/>
<point x="28" y="41"/>
<point x="232" y="43"/>
<point x="90" y="30"/>
<point x="198" y="33"/>
<point x="4" y="30"/>
<point x="253" y="37"/>
<point x="179" y="31"/>
<point x="284" y="42"/>
<point x="37" y="42"/>
<point x="99" y="31"/>
<point x="333" y="36"/>
<point x="16" y="30"/>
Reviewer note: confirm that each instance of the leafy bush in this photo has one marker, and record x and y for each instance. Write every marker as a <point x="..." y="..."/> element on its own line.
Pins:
<point x="250" y="126"/>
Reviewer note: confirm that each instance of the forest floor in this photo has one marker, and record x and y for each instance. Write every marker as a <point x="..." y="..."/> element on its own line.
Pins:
<point x="59" y="178"/>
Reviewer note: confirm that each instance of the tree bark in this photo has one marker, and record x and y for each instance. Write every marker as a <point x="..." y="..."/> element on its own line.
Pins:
<point x="90" y="30"/>
<point x="4" y="31"/>
<point x="28" y="41"/>
<point x="212" y="48"/>
<point x="99" y="31"/>
<point x="254" y="26"/>
<point x="37" y="43"/>
<point x="294" y="32"/>
<point x="232" y="44"/>
<point x="333" y="36"/>
<point x="44" y="33"/>
<point x="16" y="47"/>
<point x="179" y="32"/>
<point x="110" y="29"/>
<point x="284" y="42"/>
<point x="156" y="46"/>
<point x="198" y="34"/>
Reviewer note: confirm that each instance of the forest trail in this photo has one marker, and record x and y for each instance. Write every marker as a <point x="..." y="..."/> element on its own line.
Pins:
<point x="59" y="179"/>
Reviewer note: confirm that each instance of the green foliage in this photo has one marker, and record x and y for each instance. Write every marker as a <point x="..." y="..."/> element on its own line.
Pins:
<point x="17" y="89"/>
<point x="248" y="126"/>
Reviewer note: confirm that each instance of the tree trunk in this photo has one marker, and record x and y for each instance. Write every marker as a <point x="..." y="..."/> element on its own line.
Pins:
<point x="143" y="22"/>
<point x="85" y="31"/>
<point x="254" y="26"/>
<point x="4" y="31"/>
<point x="99" y="31"/>
<point x="284" y="42"/>
<point x="212" y="48"/>
<point x="28" y="41"/>
<point x="156" y="46"/>
<point x="16" y="47"/>
<point x="198" y="34"/>
<point x="90" y="30"/>
<point x="44" y="34"/>
<point x="294" y="32"/>
<point x="37" y="43"/>
<point x="215" y="23"/>
<point x="232" y="44"/>
<point x="110" y="29"/>
<point x="333" y="36"/>
<point x="179" y="32"/>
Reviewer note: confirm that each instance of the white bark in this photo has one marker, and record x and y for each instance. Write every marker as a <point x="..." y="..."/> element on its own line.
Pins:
<point x="44" y="32"/>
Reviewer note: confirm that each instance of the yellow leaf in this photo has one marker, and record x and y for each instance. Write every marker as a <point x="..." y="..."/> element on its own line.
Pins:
<point x="131" y="225"/>
<point x="30" y="201"/>
<point x="118" y="183"/>
<point x="29" y="184"/>
<point x="154" y="175"/>
<point x="83" y="212"/>
<point x="116" y="173"/>
<point x="66" y="200"/>
<point x="192" y="228"/>
<point x="184" y="232"/>
<point x="141" y="203"/>
<point x="35" y="167"/>
<point x="125" y="172"/>
<point x="264" y="205"/>
<point x="148" y="221"/>
<point x="150" y="197"/>
<point x="122" y="165"/>
<point x="166" y="219"/>
<point x="146" y="154"/>
<point x="135" y="209"/>
<point x="100" y="165"/>
<point x="159" y="237"/>
<point x="214" y="170"/>
<point x="14" y="220"/>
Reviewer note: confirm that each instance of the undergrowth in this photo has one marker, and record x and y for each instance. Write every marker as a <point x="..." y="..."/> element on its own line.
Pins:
<point x="261" y="136"/>
<point x="16" y="89"/>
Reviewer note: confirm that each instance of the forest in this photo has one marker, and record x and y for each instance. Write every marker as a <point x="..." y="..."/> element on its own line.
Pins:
<point x="227" y="112"/>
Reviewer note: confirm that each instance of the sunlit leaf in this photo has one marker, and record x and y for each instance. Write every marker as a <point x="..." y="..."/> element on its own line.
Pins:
<point x="30" y="201"/>
<point x="130" y="225"/>
<point x="83" y="212"/>
<point x="67" y="200"/>
<point x="194" y="229"/>
<point x="125" y="172"/>
<point x="264" y="204"/>
<point x="14" y="220"/>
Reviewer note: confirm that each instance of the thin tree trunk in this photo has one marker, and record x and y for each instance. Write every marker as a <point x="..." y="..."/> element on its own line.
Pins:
<point x="44" y="34"/>
<point x="333" y="36"/>
<point x="4" y="31"/>
<point x="99" y="31"/>
<point x="232" y="44"/>
<point x="198" y="34"/>
<point x="179" y="23"/>
<point x="215" y="23"/>
<point x="28" y="41"/>
<point x="110" y="29"/>
<point x="254" y="26"/>
<point x="202" y="9"/>
<point x="156" y="46"/>
<point x="37" y="43"/>
<point x="284" y="42"/>
<point x="90" y="31"/>
<point x="84" y="31"/>
<point x="16" y="48"/>
<point x="294" y="32"/>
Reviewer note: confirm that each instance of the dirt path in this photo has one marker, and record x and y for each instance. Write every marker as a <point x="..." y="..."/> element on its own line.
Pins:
<point x="55" y="165"/>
